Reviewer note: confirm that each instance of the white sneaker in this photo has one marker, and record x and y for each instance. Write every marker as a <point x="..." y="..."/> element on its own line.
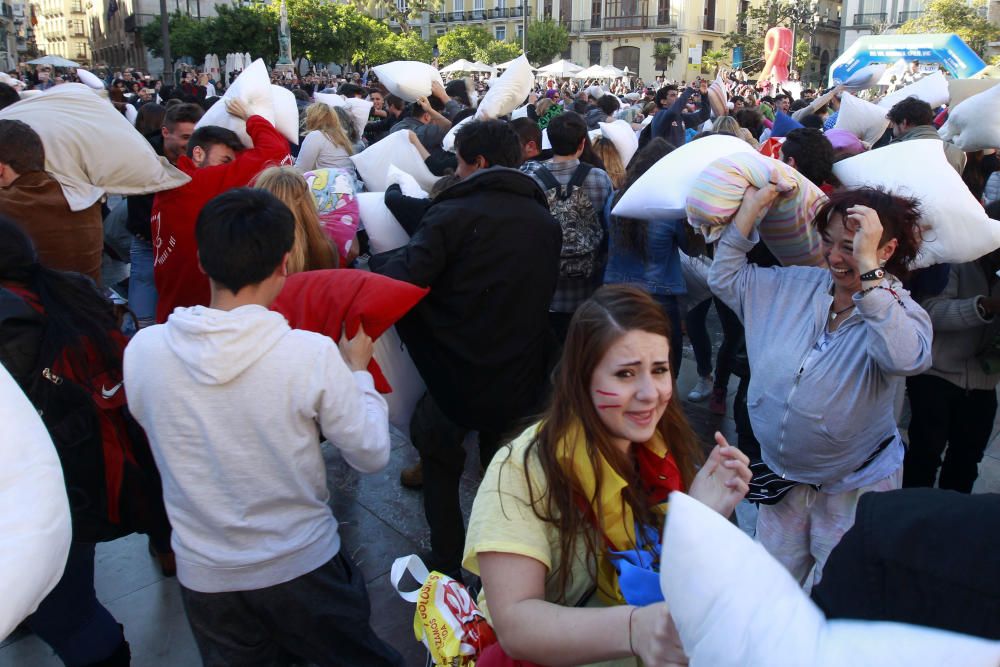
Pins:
<point x="702" y="390"/>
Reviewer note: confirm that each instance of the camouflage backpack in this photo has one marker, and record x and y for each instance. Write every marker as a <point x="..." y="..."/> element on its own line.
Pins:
<point x="581" y="229"/>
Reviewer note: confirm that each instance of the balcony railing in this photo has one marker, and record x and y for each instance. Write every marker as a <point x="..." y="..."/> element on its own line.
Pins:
<point x="903" y="17"/>
<point x="868" y="19"/>
<point x="829" y="23"/>
<point x="714" y="24"/>
<point x="477" y="15"/>
<point x="626" y="22"/>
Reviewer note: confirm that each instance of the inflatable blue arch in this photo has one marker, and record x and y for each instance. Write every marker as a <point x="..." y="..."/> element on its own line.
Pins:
<point x="948" y="49"/>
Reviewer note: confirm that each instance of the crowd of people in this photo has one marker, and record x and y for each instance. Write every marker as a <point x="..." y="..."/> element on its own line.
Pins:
<point x="552" y="328"/>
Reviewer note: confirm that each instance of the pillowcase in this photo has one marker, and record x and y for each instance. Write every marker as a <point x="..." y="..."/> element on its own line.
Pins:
<point x="408" y="79"/>
<point x="448" y="143"/>
<point x="863" y="119"/>
<point x="402" y="375"/>
<point x="956" y="229"/>
<point x="717" y="193"/>
<point x="734" y="604"/>
<point x="359" y="109"/>
<point x="866" y="77"/>
<point x="960" y="90"/>
<point x="974" y="125"/>
<point x="273" y="103"/>
<point x="89" y="79"/>
<point x="373" y="162"/>
<point x="661" y="193"/>
<point x="406" y="183"/>
<point x="508" y="91"/>
<point x="520" y="112"/>
<point x="332" y="301"/>
<point x="77" y="127"/>
<point x="718" y="96"/>
<point x="932" y="89"/>
<point x="131" y="114"/>
<point x="783" y="124"/>
<point x="384" y="231"/>
<point x="333" y="190"/>
<point x="844" y="142"/>
<point x="621" y="134"/>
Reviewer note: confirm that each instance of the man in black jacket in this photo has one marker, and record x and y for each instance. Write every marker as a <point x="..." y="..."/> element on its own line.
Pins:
<point x="671" y="120"/>
<point x="489" y="250"/>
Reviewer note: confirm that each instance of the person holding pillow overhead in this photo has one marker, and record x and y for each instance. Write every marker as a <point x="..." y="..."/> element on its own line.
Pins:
<point x="821" y="401"/>
<point x="584" y="490"/>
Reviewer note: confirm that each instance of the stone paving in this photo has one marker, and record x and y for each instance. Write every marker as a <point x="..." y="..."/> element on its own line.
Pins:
<point x="379" y="520"/>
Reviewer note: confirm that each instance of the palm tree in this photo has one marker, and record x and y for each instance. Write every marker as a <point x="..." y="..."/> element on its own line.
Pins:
<point x="664" y="53"/>
<point x="715" y="59"/>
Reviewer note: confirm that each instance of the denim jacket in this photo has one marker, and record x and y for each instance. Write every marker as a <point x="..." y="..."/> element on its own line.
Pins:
<point x="660" y="273"/>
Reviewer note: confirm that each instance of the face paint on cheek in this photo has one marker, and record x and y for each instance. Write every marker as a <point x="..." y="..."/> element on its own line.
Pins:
<point x="605" y="393"/>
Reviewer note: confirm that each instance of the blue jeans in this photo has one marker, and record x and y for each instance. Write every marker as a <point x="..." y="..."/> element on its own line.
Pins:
<point x="672" y="309"/>
<point x="71" y="620"/>
<point x="141" y="288"/>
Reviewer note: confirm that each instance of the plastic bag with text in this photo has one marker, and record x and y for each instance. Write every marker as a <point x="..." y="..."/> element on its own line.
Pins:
<point x="447" y="620"/>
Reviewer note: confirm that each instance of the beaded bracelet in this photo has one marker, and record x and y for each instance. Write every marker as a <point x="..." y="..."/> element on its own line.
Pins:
<point x="891" y="291"/>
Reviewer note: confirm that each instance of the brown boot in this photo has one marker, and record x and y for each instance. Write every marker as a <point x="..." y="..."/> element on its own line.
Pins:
<point x="412" y="477"/>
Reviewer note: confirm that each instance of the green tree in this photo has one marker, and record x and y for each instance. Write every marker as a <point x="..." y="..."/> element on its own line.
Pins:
<point x="188" y="36"/>
<point x="462" y="42"/>
<point x="246" y="28"/>
<point x="497" y="52"/>
<point x="546" y="40"/>
<point x="327" y="32"/>
<point x="393" y="46"/>
<point x="664" y="53"/>
<point x="803" y="54"/>
<point x="392" y="12"/>
<point x="967" y="20"/>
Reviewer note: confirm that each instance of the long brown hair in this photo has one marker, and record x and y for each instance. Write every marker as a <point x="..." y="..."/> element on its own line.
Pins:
<point x="630" y="232"/>
<point x="609" y="314"/>
<point x="311" y="249"/>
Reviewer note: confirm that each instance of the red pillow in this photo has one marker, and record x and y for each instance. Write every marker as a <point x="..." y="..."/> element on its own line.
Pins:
<point x="325" y="301"/>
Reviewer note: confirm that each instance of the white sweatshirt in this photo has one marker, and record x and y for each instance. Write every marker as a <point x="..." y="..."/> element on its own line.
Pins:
<point x="233" y="403"/>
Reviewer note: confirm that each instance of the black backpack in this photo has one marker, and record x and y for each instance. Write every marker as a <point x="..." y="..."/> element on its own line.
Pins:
<point x="582" y="232"/>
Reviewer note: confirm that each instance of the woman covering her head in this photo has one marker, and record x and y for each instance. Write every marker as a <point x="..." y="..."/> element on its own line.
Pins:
<point x="311" y="249"/>
<point x="59" y="340"/>
<point x="821" y="401"/>
<point x="564" y="508"/>
<point x="326" y="144"/>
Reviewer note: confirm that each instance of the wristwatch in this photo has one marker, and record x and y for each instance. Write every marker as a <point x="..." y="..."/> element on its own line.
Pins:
<point x="874" y="274"/>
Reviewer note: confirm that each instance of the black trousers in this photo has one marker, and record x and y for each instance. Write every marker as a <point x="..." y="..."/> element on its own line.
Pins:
<point x="442" y="457"/>
<point x="945" y="415"/>
<point x="321" y="618"/>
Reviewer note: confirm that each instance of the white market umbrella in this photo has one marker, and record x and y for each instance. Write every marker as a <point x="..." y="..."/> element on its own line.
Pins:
<point x="598" y="72"/>
<point x="507" y="65"/>
<point x="560" y="69"/>
<point x="482" y="67"/>
<point x="247" y="60"/>
<point x="460" y="65"/>
<point x="53" y="61"/>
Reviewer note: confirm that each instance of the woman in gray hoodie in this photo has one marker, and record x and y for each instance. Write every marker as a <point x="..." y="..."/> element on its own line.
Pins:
<point x="828" y="349"/>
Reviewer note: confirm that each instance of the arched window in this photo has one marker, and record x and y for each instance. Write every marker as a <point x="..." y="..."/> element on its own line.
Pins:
<point x="626" y="56"/>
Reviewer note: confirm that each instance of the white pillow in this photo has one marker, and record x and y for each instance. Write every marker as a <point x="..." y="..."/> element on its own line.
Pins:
<point x="89" y="79"/>
<point x="520" y="112"/>
<point x="286" y="113"/>
<point x="131" y="114"/>
<point x="34" y="512"/>
<point x="960" y="90"/>
<point x="359" y="109"/>
<point x="408" y="79"/>
<point x="621" y="134"/>
<point x="974" y="125"/>
<point x="595" y="91"/>
<point x="546" y="144"/>
<point x="406" y="183"/>
<point x="448" y="143"/>
<point x="718" y="96"/>
<point x="661" y="193"/>
<point x="956" y="229"/>
<point x="508" y="91"/>
<point x="734" y="604"/>
<point x="77" y="128"/>
<point x="253" y="89"/>
<point x="384" y="231"/>
<point x="404" y="378"/>
<point x="866" y="77"/>
<point x="863" y="119"/>
<point x="594" y="135"/>
<point x="932" y="89"/>
<point x="373" y="162"/>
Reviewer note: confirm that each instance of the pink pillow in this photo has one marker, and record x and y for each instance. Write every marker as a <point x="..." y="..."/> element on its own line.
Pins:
<point x="334" y="190"/>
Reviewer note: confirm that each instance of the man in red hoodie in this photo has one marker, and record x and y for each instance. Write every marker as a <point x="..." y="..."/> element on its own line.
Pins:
<point x="216" y="162"/>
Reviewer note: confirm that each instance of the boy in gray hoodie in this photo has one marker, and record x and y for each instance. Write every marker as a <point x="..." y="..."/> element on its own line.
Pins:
<point x="234" y="401"/>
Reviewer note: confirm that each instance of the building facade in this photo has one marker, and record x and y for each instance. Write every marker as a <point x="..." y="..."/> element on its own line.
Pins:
<point x="62" y="29"/>
<point x="8" y="36"/>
